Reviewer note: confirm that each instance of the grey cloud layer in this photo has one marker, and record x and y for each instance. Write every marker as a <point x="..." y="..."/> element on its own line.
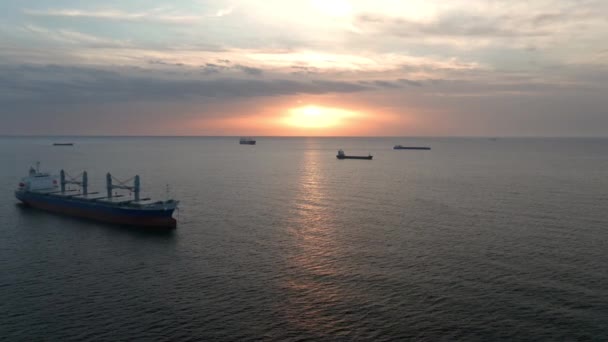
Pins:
<point x="472" y="24"/>
<point x="27" y="84"/>
<point x="56" y="84"/>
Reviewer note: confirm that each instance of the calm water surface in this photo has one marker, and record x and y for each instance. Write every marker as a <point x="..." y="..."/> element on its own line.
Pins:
<point x="473" y="240"/>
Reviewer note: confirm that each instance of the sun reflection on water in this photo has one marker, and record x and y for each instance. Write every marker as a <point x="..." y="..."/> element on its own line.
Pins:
<point x="315" y="294"/>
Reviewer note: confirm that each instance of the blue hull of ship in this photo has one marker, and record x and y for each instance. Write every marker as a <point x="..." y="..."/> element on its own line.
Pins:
<point x="98" y="210"/>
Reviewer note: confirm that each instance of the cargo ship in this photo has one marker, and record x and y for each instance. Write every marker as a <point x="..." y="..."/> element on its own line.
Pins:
<point x="401" y="147"/>
<point x="247" y="141"/>
<point x="47" y="192"/>
<point x="341" y="155"/>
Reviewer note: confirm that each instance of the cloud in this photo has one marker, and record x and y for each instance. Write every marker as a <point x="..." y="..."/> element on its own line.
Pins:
<point x="480" y="19"/>
<point x="214" y="68"/>
<point x="147" y="16"/>
<point x="249" y="70"/>
<point x="410" y="82"/>
<point x="392" y="84"/>
<point x="304" y="70"/>
<point x="75" y="37"/>
<point x="449" y="25"/>
<point x="224" y="11"/>
<point x="225" y="81"/>
<point x="62" y="84"/>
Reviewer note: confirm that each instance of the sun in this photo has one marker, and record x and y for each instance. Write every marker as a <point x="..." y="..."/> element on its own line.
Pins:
<point x="317" y="117"/>
<point x="333" y="8"/>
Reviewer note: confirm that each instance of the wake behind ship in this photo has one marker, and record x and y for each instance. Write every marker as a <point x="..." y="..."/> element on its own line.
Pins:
<point x="43" y="191"/>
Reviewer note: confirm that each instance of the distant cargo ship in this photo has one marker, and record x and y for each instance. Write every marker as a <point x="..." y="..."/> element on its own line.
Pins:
<point x="341" y="155"/>
<point x="401" y="147"/>
<point x="63" y="144"/>
<point x="43" y="191"/>
<point x="247" y="141"/>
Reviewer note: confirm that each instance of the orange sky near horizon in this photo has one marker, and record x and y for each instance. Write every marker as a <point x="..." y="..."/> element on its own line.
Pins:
<point x="302" y="118"/>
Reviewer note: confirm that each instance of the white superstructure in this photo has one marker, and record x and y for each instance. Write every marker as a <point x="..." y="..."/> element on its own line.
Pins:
<point x="38" y="181"/>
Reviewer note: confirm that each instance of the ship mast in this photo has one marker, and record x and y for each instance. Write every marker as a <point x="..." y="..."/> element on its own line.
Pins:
<point x="135" y="188"/>
<point x="84" y="183"/>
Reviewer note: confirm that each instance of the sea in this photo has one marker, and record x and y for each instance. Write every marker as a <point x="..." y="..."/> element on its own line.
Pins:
<point x="477" y="239"/>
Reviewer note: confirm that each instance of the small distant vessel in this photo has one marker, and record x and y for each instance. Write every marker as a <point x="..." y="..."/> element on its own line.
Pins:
<point x="63" y="144"/>
<point x="401" y="147"/>
<point x="247" y="141"/>
<point x="341" y="155"/>
<point x="43" y="191"/>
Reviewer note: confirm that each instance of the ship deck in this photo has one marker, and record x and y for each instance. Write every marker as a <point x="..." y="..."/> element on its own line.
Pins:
<point x="94" y="196"/>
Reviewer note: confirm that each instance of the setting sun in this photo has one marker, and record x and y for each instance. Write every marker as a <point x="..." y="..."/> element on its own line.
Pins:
<point x="334" y="8"/>
<point x="317" y="117"/>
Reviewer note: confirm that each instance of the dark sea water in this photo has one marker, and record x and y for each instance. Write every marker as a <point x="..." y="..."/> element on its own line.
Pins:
<point x="474" y="240"/>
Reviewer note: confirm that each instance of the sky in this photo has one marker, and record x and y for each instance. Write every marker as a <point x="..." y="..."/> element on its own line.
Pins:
<point x="304" y="68"/>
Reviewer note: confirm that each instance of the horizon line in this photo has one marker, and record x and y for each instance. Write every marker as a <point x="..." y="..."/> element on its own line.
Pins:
<point x="295" y="136"/>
